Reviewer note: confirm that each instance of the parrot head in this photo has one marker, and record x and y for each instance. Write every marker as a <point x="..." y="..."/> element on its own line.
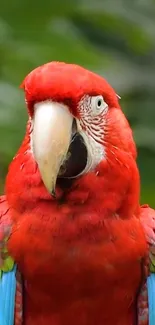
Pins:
<point x="76" y="130"/>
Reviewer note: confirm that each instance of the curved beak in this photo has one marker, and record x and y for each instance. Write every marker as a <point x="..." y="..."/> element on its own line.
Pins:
<point x="51" y="136"/>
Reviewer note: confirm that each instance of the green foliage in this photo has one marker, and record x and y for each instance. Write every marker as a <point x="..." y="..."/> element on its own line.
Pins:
<point x="112" y="37"/>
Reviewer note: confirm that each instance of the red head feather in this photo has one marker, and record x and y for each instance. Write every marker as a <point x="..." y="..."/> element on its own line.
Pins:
<point x="66" y="83"/>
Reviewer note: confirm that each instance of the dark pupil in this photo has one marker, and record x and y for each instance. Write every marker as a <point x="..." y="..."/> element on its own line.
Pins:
<point x="99" y="103"/>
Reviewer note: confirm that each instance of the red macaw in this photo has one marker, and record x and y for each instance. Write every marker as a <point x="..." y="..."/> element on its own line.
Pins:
<point x="71" y="218"/>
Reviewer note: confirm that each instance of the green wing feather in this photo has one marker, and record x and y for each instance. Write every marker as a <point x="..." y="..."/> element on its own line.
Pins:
<point x="6" y="262"/>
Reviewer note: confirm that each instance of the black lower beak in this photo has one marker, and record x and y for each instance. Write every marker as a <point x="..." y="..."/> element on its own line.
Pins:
<point x="76" y="159"/>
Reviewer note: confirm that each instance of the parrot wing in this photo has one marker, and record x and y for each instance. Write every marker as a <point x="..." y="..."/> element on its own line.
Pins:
<point x="146" y="300"/>
<point x="10" y="282"/>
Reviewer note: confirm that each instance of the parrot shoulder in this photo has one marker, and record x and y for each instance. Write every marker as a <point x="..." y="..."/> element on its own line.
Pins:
<point x="147" y="218"/>
<point x="6" y="262"/>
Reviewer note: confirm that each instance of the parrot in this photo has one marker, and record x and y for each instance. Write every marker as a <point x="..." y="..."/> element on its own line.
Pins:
<point x="76" y="246"/>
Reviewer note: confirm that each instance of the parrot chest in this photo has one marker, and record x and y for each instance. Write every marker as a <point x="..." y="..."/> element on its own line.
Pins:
<point x="86" y="272"/>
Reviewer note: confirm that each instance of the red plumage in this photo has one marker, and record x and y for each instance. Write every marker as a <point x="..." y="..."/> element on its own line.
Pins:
<point x="65" y="83"/>
<point x="81" y="254"/>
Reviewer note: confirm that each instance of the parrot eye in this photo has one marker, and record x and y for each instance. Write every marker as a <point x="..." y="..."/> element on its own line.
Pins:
<point x="98" y="104"/>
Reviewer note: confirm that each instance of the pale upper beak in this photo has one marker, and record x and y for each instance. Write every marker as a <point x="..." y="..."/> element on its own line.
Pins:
<point x="51" y="136"/>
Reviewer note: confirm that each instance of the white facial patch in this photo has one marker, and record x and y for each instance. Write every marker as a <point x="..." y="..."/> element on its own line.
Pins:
<point x="96" y="152"/>
<point x="93" y="112"/>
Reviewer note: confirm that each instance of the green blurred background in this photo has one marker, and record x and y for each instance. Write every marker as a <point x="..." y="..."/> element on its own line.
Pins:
<point x="113" y="38"/>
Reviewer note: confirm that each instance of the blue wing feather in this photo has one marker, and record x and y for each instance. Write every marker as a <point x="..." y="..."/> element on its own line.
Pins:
<point x="147" y="218"/>
<point x="7" y="297"/>
<point x="151" y="298"/>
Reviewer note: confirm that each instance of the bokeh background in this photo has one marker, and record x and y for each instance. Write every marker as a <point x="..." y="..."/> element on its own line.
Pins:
<point x="111" y="37"/>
